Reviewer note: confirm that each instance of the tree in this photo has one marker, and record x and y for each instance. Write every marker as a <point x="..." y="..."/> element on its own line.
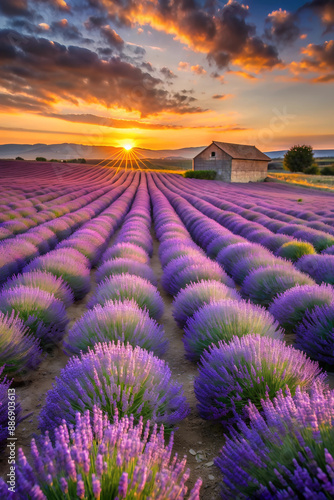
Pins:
<point x="298" y="158"/>
<point x="18" y="158"/>
<point x="40" y="158"/>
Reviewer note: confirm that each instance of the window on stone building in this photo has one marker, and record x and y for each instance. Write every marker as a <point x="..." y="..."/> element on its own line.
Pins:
<point x="213" y="153"/>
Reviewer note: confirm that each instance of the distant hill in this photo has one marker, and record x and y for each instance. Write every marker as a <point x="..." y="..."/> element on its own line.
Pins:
<point x="68" y="151"/>
<point x="318" y="153"/>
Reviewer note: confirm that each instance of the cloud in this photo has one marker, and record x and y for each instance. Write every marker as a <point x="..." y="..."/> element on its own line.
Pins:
<point x="107" y="33"/>
<point x="198" y="69"/>
<point x="183" y="66"/>
<point x="40" y="69"/>
<point x="221" y="96"/>
<point x="282" y="27"/>
<point x="14" y="8"/>
<point x="316" y="59"/>
<point x="324" y="9"/>
<point x="224" y="34"/>
<point x="243" y="74"/>
<point x="167" y="73"/>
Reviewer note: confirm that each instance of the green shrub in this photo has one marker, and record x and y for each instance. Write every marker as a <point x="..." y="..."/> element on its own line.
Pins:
<point x="40" y="158"/>
<point x="294" y="250"/>
<point x="298" y="158"/>
<point x="312" y="170"/>
<point x="201" y="174"/>
<point x="328" y="170"/>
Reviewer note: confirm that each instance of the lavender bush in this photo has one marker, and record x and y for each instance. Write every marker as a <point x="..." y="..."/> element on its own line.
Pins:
<point x="69" y="266"/>
<point x="195" y="295"/>
<point x="126" y="251"/>
<point x="286" y="452"/>
<point x="315" y="334"/>
<point x="115" y="377"/>
<point x="294" y="250"/>
<point x="129" y="287"/>
<point x="290" y="307"/>
<point x="44" y="281"/>
<point x="224" y="319"/>
<point x="319" y="267"/>
<point x="264" y="284"/>
<point x="194" y="273"/>
<point x="19" y="349"/>
<point x="119" y="320"/>
<point x="103" y="461"/>
<point x="120" y="266"/>
<point x="248" y="369"/>
<point x="41" y="312"/>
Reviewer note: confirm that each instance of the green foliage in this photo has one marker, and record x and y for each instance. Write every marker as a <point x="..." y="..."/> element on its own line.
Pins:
<point x="75" y="160"/>
<point x="18" y="158"/>
<point x="329" y="170"/>
<point x="312" y="170"/>
<point x="294" y="250"/>
<point x="40" y="158"/>
<point x="201" y="174"/>
<point x="298" y="158"/>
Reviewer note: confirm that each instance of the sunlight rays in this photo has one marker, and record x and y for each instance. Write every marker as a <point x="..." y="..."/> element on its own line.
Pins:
<point x="128" y="157"/>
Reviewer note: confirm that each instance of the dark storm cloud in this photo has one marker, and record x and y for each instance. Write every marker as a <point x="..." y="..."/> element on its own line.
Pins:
<point x="324" y="9"/>
<point x="282" y="27"/>
<point x="14" y="8"/>
<point x="53" y="71"/>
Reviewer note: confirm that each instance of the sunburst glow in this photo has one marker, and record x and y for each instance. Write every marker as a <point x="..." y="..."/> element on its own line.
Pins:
<point x="127" y="147"/>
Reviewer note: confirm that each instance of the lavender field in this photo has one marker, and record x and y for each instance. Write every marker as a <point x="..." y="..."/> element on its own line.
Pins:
<point x="145" y="317"/>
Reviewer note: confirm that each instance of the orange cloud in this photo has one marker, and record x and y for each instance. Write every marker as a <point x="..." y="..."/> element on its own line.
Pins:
<point x="198" y="69"/>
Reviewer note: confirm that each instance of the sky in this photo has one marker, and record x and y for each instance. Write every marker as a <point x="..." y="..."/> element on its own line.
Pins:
<point x="167" y="73"/>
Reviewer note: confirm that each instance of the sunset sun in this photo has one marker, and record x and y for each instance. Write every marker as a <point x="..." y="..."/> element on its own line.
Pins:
<point x="127" y="147"/>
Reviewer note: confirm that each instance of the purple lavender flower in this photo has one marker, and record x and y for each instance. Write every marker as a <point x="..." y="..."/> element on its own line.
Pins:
<point x="315" y="334"/>
<point x="275" y="241"/>
<point x="229" y="257"/>
<point x="41" y="312"/>
<point x="265" y="283"/>
<point x="115" y="378"/>
<point x="180" y="250"/>
<point x="218" y="244"/>
<point x="44" y="281"/>
<point x="207" y="270"/>
<point x="196" y="295"/>
<point x="224" y="319"/>
<point x="126" y="251"/>
<point x="289" y="308"/>
<point x="247" y="264"/>
<point x="19" y="349"/>
<point x="120" y="266"/>
<point x="247" y="369"/>
<point x="319" y="239"/>
<point x="119" y="320"/>
<point x="68" y="264"/>
<point x="319" y="267"/>
<point x="138" y="464"/>
<point x="286" y="451"/>
<point x="129" y="287"/>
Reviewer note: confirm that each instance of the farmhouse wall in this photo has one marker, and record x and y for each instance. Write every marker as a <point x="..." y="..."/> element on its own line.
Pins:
<point x="248" y="170"/>
<point x="221" y="162"/>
